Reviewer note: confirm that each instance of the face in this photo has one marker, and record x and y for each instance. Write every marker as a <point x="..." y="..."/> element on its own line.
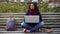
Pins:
<point x="31" y="6"/>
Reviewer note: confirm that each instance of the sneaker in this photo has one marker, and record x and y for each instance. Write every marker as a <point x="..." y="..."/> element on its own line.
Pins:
<point x="26" y="30"/>
<point x="38" y="30"/>
<point x="48" y="29"/>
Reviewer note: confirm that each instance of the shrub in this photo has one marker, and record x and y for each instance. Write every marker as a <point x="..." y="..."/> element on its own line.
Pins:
<point x="18" y="8"/>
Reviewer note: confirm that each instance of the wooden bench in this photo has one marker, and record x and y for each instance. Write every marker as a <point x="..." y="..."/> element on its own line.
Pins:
<point x="50" y="19"/>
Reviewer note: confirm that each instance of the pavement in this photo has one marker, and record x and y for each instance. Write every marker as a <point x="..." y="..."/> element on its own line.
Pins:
<point x="28" y="33"/>
<point x="20" y="31"/>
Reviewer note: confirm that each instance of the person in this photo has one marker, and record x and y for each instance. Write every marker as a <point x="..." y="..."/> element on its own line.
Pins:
<point x="33" y="27"/>
<point x="11" y="24"/>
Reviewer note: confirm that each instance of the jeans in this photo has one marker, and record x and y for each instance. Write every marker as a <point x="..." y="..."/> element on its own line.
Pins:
<point x="26" y="26"/>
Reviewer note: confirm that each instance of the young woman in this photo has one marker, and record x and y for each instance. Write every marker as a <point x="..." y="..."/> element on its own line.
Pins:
<point x="32" y="27"/>
<point x="11" y="24"/>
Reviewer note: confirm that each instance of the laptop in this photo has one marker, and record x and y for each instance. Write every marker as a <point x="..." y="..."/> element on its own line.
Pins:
<point x="32" y="19"/>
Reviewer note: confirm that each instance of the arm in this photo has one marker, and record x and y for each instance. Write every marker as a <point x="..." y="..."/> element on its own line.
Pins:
<point x="40" y="19"/>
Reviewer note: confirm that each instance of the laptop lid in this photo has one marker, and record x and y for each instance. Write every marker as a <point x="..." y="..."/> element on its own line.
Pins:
<point x="32" y="19"/>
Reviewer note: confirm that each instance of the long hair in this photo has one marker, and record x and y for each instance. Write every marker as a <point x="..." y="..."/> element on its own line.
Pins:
<point x="35" y="7"/>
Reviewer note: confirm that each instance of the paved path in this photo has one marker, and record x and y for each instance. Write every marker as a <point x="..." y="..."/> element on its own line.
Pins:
<point x="28" y="33"/>
<point x="19" y="31"/>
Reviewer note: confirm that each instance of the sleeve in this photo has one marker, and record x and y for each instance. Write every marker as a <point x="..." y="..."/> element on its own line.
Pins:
<point x="27" y="13"/>
<point x="40" y="19"/>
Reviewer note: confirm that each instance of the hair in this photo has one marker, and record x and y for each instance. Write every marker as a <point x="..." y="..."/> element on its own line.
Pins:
<point x="35" y="7"/>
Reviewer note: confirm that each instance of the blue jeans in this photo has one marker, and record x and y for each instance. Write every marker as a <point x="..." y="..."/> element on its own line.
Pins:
<point x="26" y="26"/>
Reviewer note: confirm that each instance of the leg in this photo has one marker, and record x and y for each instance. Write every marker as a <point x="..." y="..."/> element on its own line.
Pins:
<point x="26" y="26"/>
<point x="39" y="25"/>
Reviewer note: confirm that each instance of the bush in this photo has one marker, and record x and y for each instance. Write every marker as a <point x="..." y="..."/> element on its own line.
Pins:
<point x="12" y="8"/>
<point x="57" y="9"/>
<point x="45" y="9"/>
<point x="18" y="8"/>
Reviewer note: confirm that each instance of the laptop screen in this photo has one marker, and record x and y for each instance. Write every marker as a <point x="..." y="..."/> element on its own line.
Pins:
<point x="32" y="19"/>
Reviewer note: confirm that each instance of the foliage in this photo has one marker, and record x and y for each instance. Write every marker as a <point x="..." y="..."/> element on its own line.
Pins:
<point x="22" y="8"/>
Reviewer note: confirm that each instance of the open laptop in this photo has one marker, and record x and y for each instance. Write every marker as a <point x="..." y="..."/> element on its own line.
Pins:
<point x="32" y="19"/>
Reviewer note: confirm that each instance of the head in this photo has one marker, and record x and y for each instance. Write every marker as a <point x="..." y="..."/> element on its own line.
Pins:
<point x="33" y="6"/>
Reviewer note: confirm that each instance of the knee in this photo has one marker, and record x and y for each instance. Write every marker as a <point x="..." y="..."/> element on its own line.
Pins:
<point x="22" y="23"/>
<point x="42" y="23"/>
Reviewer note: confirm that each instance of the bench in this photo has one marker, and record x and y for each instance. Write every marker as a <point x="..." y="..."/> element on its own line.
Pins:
<point x="50" y="19"/>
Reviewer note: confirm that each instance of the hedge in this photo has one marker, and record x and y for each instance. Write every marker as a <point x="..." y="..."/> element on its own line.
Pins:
<point x="22" y="8"/>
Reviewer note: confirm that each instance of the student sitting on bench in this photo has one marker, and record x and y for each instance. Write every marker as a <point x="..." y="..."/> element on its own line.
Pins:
<point x="11" y="24"/>
<point x="32" y="27"/>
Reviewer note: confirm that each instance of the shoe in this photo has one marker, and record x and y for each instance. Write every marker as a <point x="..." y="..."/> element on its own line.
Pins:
<point x="48" y="29"/>
<point x="26" y="30"/>
<point x="38" y="30"/>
